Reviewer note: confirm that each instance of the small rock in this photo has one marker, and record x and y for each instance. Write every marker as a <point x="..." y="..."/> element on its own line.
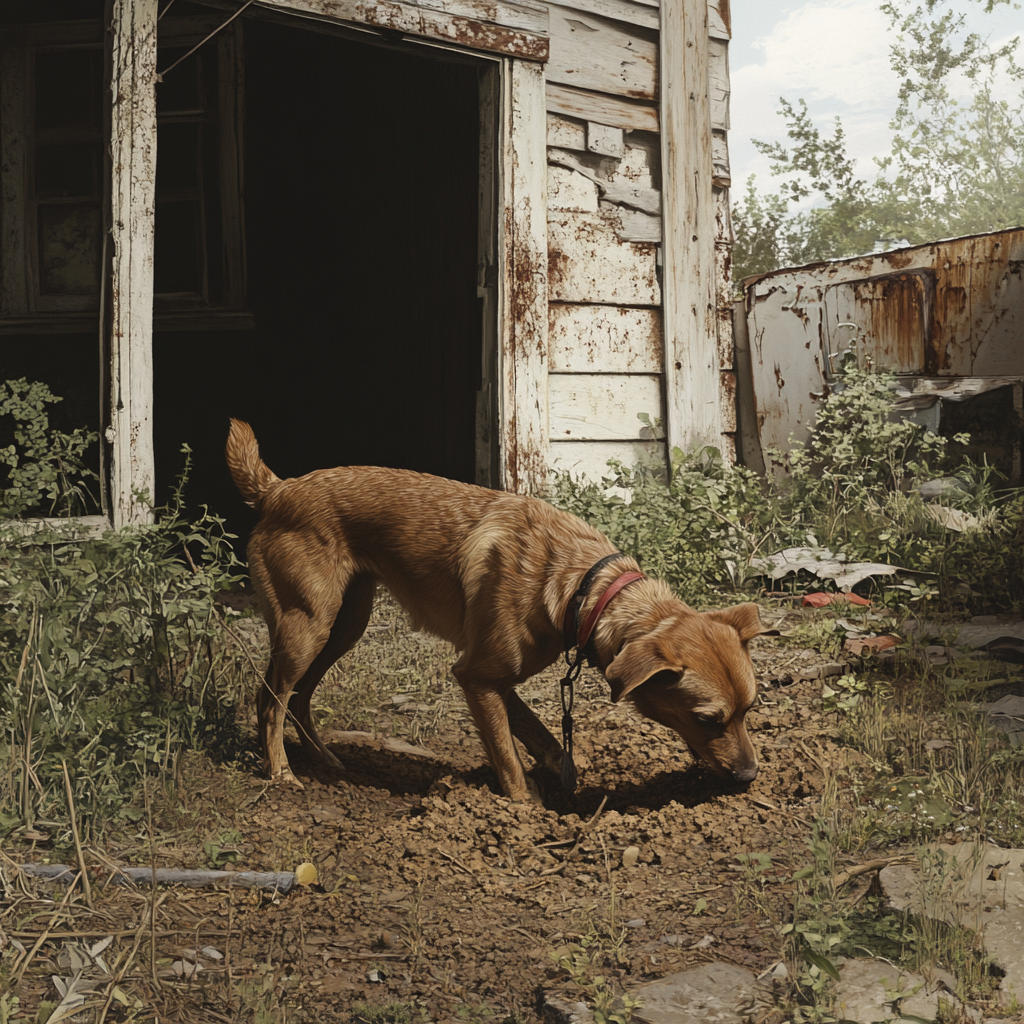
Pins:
<point x="559" y="1012"/>
<point x="721" y="993"/>
<point x="629" y="856"/>
<point x="870" y="991"/>
<point x="636" y="922"/>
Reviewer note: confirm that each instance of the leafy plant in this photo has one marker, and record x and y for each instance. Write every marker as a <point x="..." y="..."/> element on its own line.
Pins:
<point x="113" y="657"/>
<point x="46" y="469"/>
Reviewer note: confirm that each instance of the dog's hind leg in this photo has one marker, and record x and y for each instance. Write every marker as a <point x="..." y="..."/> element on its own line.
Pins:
<point x="349" y="626"/>
<point x="532" y="733"/>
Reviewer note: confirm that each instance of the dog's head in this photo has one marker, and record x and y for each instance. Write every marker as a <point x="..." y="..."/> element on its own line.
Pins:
<point x="692" y="672"/>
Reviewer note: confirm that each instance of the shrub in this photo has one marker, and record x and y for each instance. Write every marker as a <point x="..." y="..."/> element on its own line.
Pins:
<point x="113" y="656"/>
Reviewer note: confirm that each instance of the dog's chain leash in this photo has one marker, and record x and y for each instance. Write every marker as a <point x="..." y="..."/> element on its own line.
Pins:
<point x="574" y="655"/>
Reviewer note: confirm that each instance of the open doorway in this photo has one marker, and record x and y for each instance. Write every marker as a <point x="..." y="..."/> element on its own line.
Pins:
<point x="362" y="192"/>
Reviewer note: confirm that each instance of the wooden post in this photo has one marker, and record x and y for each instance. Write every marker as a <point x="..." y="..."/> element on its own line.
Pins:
<point x="133" y="184"/>
<point x="523" y="304"/>
<point x="692" y="402"/>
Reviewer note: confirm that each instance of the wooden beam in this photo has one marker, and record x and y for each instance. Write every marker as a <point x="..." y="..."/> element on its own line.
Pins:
<point x="523" y="304"/>
<point x="520" y="31"/>
<point x="693" y="410"/>
<point x="596" y="106"/>
<point x="133" y="181"/>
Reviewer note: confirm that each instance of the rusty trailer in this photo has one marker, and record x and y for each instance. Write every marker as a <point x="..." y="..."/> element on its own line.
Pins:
<point x="947" y="317"/>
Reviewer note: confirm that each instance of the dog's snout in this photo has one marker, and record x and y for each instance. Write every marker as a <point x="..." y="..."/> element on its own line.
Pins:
<point x="747" y="774"/>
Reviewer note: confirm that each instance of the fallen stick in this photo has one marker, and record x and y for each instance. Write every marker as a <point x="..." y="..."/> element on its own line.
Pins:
<point x="862" y="869"/>
<point x="282" y="881"/>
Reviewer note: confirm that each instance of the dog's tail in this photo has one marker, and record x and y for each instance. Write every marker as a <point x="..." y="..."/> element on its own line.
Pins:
<point x="252" y="476"/>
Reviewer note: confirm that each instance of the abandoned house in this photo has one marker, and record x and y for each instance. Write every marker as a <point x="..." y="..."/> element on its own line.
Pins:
<point x="471" y="237"/>
<point x="946" y="317"/>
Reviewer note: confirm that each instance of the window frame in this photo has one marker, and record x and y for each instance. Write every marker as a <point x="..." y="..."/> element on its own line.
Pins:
<point x="24" y="309"/>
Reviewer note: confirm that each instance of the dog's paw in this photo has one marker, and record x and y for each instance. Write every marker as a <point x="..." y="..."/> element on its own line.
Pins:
<point x="284" y="777"/>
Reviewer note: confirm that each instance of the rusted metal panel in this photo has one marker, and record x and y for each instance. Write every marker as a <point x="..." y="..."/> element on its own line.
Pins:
<point x="513" y="29"/>
<point x="953" y="308"/>
<point x="603" y="406"/>
<point x="589" y="263"/>
<point x="604" y="339"/>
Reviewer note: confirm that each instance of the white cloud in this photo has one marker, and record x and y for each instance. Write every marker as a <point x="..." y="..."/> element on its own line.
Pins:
<point x="835" y="55"/>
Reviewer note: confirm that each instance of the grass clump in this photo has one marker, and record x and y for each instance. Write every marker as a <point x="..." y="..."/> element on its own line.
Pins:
<point x="113" y="657"/>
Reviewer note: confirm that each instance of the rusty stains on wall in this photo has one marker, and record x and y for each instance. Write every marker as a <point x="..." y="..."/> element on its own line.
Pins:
<point x="946" y="309"/>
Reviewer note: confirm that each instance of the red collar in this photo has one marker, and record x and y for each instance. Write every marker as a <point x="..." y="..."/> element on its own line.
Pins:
<point x="588" y="627"/>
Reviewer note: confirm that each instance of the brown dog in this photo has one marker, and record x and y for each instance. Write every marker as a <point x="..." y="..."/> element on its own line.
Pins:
<point x="493" y="573"/>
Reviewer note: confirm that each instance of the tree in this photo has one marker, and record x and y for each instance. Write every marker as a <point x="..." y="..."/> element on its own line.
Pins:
<point x="955" y="168"/>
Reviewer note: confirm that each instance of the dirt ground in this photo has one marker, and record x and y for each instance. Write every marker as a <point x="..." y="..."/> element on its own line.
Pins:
<point x="434" y="890"/>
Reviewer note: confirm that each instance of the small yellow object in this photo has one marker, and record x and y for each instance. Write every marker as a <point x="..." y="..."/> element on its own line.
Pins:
<point x="305" y="874"/>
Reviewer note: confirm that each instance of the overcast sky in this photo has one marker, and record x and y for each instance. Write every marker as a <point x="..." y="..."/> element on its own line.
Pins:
<point x="835" y="55"/>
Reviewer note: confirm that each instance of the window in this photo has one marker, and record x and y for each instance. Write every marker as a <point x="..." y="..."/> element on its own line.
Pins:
<point x="53" y="182"/>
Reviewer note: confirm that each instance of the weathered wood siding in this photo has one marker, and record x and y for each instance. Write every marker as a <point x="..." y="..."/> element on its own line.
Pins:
<point x="621" y="294"/>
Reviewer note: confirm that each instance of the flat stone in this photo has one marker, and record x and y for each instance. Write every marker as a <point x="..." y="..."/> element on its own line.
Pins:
<point x="558" y="1011"/>
<point x="982" y="889"/>
<point x="709" y="994"/>
<point x="871" y="991"/>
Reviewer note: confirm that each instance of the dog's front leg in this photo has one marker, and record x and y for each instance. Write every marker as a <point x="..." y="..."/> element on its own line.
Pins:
<point x="533" y="733"/>
<point x="491" y="716"/>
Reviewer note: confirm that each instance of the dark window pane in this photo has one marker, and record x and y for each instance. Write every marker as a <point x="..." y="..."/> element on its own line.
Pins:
<point x="180" y="91"/>
<point x="177" y="156"/>
<point x="69" y="250"/>
<point x="68" y="89"/>
<point x="66" y="170"/>
<point x="176" y="256"/>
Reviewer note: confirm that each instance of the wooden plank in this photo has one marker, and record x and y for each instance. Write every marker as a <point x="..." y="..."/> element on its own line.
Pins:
<point x="642" y="14"/>
<point x="588" y="262"/>
<point x="691" y="352"/>
<point x="13" y="183"/>
<point x="409" y="19"/>
<point x="727" y="398"/>
<point x="718" y="83"/>
<point x="719" y="20"/>
<point x="635" y="226"/>
<point x="231" y="114"/>
<point x="646" y="199"/>
<point x="529" y="17"/>
<point x="720" y="159"/>
<point x="570" y="190"/>
<point x="133" y="182"/>
<point x="486" y="469"/>
<point x="605" y="141"/>
<point x="604" y="339"/>
<point x="619" y="182"/>
<point x="593" y="106"/>
<point x="523" y="303"/>
<point x="590" y="52"/>
<point x="589" y="459"/>
<point x="567" y="133"/>
<point x="603" y="406"/>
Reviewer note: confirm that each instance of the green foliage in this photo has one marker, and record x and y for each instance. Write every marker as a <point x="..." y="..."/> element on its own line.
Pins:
<point x="851" y="486"/>
<point x="113" y="658"/>
<point x="696" y="531"/>
<point x="46" y="469"/>
<point x="589" y="963"/>
<point x="956" y="167"/>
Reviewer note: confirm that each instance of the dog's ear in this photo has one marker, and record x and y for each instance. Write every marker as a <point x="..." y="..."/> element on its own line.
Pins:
<point x="745" y="619"/>
<point x="635" y="664"/>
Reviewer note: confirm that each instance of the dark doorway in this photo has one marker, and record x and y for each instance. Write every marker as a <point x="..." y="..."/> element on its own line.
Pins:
<point x="361" y="169"/>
